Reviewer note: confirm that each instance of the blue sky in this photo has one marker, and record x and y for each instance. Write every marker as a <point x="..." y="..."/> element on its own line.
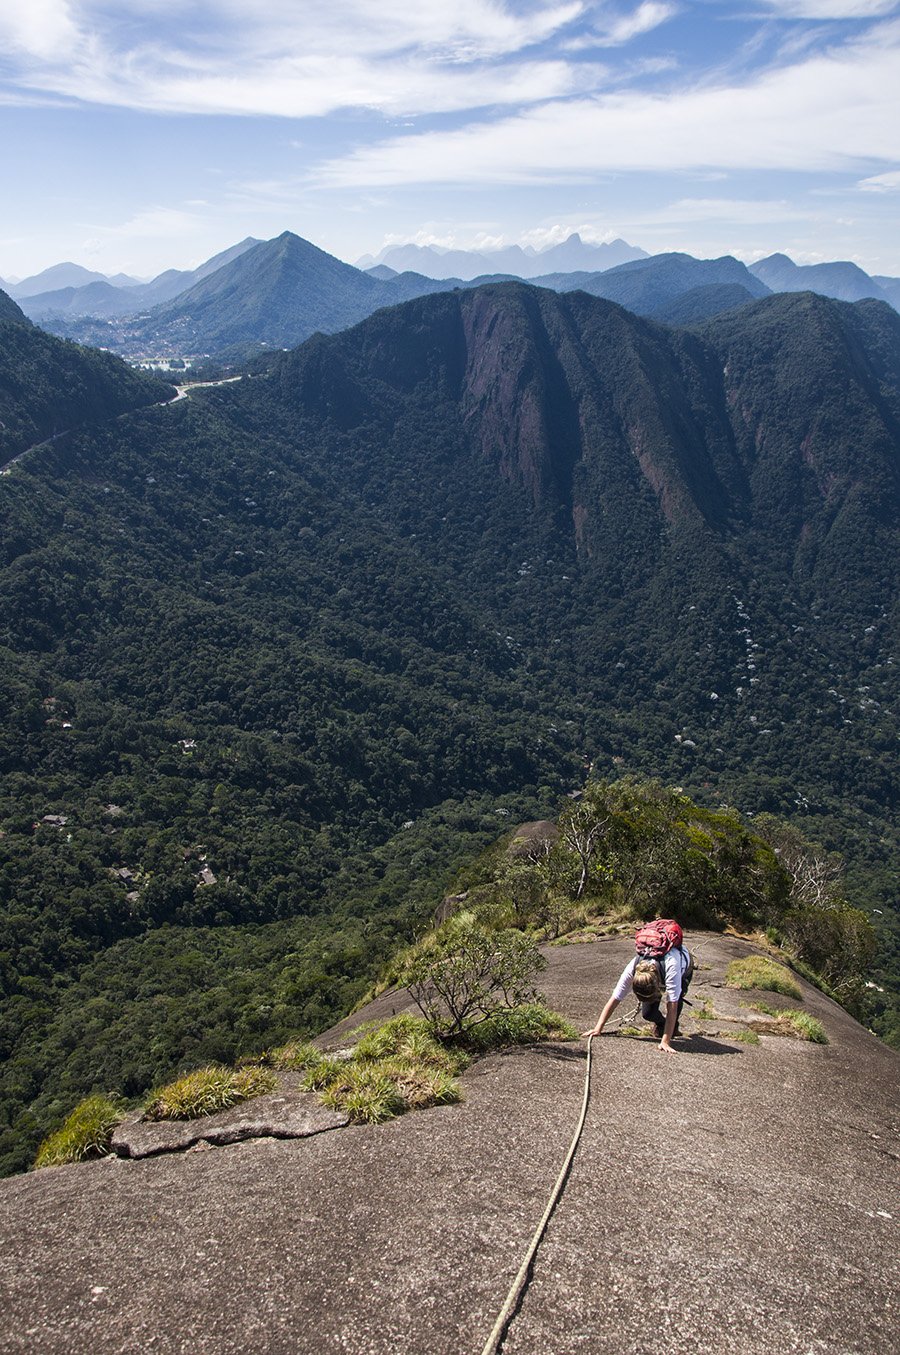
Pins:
<point x="144" y="134"/>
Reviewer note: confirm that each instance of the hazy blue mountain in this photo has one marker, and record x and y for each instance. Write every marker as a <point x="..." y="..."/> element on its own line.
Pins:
<point x="647" y="285"/>
<point x="274" y="294"/>
<point x="891" y="289"/>
<point x="95" y="298"/>
<point x="577" y="255"/>
<point x="105" y="300"/>
<point x="842" y="280"/>
<point x="514" y="261"/>
<point x="59" y="276"/>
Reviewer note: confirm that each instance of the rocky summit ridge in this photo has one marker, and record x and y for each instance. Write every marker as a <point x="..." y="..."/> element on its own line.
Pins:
<point x="733" y="1198"/>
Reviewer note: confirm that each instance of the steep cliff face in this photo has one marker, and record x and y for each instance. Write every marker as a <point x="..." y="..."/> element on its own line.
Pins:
<point x="772" y="415"/>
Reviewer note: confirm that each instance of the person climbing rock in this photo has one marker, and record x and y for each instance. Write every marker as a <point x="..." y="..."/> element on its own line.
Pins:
<point x="662" y="965"/>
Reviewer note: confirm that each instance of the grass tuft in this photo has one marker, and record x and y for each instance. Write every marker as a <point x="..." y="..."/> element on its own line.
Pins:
<point x="401" y="1065"/>
<point x="208" y="1090"/>
<point x="297" y="1056"/>
<point x="806" y="1026"/>
<point x="321" y="1074"/>
<point x="85" y="1134"/>
<point x="366" y="1092"/>
<point x="757" y="971"/>
<point x="789" y="1021"/>
<point x="745" y="1036"/>
<point x="702" y="1010"/>
<point x="528" y="1024"/>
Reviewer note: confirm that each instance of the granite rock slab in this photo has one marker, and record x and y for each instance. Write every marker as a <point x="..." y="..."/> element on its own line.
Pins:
<point x="278" y="1115"/>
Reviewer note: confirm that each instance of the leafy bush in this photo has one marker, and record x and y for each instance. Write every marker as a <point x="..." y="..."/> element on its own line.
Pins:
<point x="756" y="971"/>
<point x="208" y="1090"/>
<point x="85" y="1134"/>
<point x="463" y="974"/>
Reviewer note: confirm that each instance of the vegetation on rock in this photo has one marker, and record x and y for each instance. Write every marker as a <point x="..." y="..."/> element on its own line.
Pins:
<point x="85" y="1134"/>
<point x="208" y="1090"/>
<point x="755" y="971"/>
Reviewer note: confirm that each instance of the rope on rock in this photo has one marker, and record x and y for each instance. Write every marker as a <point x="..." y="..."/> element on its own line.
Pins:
<point x="521" y="1281"/>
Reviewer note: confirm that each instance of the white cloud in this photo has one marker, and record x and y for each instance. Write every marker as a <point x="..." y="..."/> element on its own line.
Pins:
<point x="290" y="60"/>
<point x="41" y="28"/>
<point x="647" y="16"/>
<point x="312" y="86"/>
<point x="882" y="183"/>
<point x="832" y="9"/>
<point x="156" y="223"/>
<point x="543" y="237"/>
<point x="831" y="110"/>
<point x="742" y="211"/>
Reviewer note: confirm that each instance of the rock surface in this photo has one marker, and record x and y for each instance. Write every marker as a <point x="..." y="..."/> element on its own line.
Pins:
<point x="280" y="1115"/>
<point x="730" y="1200"/>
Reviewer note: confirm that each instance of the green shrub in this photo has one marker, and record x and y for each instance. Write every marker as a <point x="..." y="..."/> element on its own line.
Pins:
<point x="208" y="1090"/>
<point x="411" y="1039"/>
<point x="85" y="1134"/>
<point x="463" y="974"/>
<point x="757" y="971"/>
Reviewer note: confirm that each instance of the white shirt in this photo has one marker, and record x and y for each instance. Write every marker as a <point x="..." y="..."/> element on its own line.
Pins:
<point x="675" y="962"/>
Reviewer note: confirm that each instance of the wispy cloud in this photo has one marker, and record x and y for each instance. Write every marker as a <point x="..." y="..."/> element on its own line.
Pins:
<point x="882" y="183"/>
<point x="833" y="109"/>
<point x="291" y="60"/>
<point x="831" y="9"/>
<point x="614" y="30"/>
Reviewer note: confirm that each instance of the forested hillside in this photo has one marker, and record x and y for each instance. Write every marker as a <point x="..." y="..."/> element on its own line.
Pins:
<point x="278" y="658"/>
<point x="48" y="385"/>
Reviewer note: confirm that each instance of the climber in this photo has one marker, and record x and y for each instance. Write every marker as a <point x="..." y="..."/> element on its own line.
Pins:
<point x="661" y="965"/>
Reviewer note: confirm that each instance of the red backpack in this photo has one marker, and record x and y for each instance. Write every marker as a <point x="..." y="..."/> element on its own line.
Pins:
<point x="655" y="939"/>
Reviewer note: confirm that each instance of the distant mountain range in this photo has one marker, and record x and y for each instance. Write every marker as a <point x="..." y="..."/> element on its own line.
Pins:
<point x="571" y="255"/>
<point x="64" y="275"/>
<point x="843" y="281"/>
<point x="110" y="297"/>
<point x="276" y="293"/>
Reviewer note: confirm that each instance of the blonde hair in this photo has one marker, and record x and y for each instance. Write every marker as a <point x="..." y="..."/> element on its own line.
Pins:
<point x="646" y="982"/>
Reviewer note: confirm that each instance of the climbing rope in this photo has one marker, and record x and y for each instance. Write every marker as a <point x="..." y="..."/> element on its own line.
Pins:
<point x="520" y="1282"/>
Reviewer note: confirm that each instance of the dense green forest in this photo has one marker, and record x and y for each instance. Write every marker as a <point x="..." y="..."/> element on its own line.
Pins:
<point x="48" y="386"/>
<point x="278" y="659"/>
